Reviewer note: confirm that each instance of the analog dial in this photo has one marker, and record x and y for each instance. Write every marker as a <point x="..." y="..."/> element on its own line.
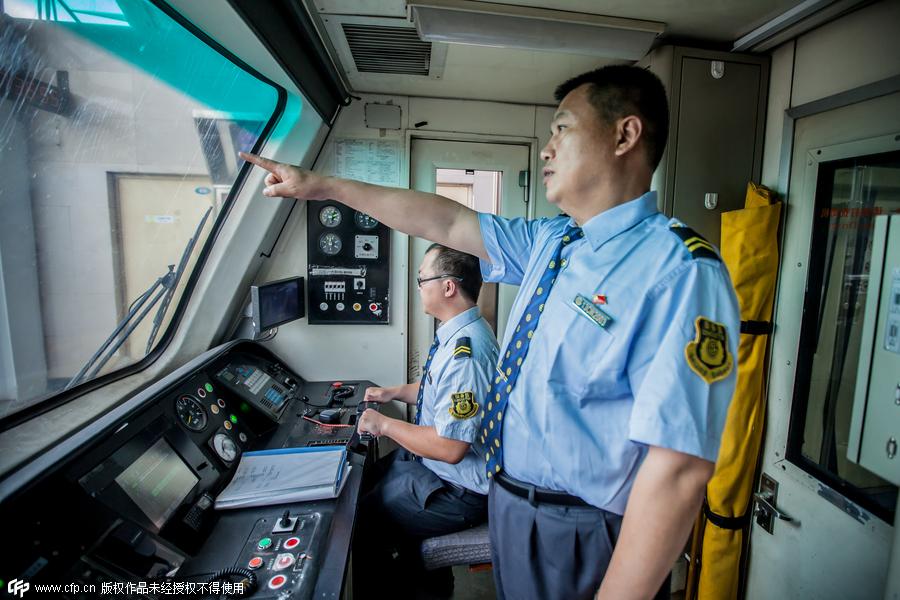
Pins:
<point x="365" y="221"/>
<point x="191" y="413"/>
<point x="330" y="216"/>
<point x="225" y="447"/>
<point x="330" y="244"/>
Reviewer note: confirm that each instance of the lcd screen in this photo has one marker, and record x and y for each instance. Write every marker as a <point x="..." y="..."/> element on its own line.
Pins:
<point x="158" y="482"/>
<point x="277" y="302"/>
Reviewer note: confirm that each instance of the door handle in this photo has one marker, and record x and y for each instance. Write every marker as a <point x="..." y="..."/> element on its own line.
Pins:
<point x="766" y="499"/>
<point x="766" y="510"/>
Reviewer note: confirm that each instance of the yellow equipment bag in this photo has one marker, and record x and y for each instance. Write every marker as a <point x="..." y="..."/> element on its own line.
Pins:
<point x="750" y="251"/>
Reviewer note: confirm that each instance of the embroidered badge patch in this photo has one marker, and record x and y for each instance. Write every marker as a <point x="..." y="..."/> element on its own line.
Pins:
<point x="463" y="405"/>
<point x="708" y="354"/>
<point x="463" y="348"/>
<point x="592" y="311"/>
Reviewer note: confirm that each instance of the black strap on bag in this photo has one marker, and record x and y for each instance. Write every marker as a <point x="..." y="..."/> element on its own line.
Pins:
<point x="757" y="327"/>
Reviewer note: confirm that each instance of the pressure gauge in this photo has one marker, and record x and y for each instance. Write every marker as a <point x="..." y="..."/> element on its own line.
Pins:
<point x="330" y="244"/>
<point x="365" y="221"/>
<point x="330" y="216"/>
<point x="225" y="447"/>
<point x="191" y="413"/>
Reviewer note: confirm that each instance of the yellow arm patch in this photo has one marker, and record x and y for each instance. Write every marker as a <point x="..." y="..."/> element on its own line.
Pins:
<point x="463" y="405"/>
<point x="707" y="354"/>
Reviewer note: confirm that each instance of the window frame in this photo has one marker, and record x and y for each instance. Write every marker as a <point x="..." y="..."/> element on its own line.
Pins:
<point x="824" y="162"/>
<point x="65" y="396"/>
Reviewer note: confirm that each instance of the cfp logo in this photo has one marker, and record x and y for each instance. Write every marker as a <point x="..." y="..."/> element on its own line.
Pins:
<point x="17" y="587"/>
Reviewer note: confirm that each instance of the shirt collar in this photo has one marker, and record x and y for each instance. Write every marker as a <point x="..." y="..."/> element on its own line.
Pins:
<point x="450" y="327"/>
<point x="603" y="227"/>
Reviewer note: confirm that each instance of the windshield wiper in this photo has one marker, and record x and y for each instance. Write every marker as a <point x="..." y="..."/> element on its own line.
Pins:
<point x="164" y="287"/>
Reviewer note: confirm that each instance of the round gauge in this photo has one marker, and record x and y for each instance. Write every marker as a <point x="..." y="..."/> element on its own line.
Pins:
<point x="365" y="221"/>
<point x="191" y="413"/>
<point x="330" y="216"/>
<point x="225" y="447"/>
<point x="330" y="244"/>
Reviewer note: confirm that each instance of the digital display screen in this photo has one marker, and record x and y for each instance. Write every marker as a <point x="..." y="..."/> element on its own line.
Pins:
<point x="157" y="482"/>
<point x="279" y="302"/>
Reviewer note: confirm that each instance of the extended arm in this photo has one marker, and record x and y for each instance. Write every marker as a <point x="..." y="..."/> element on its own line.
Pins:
<point x="666" y="496"/>
<point x="428" y="216"/>
<point x="418" y="439"/>
<point x="407" y="393"/>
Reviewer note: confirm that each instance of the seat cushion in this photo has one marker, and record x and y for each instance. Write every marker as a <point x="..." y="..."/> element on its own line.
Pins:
<point x="468" y="547"/>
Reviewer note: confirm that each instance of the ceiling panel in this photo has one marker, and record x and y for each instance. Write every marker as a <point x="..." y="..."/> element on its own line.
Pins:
<point x="504" y="74"/>
<point x="480" y="73"/>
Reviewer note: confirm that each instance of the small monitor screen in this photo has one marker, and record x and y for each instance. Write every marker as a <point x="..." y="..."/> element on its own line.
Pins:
<point x="277" y="302"/>
<point x="158" y="482"/>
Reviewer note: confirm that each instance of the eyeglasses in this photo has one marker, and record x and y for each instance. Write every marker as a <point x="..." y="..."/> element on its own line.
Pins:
<point x="421" y="280"/>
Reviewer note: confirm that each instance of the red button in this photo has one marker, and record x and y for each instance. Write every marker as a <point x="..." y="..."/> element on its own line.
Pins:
<point x="373" y="307"/>
<point x="337" y="384"/>
<point x="277" y="581"/>
<point x="255" y="562"/>
<point x="291" y="542"/>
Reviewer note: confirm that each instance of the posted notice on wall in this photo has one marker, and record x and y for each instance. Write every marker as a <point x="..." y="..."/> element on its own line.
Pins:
<point x="372" y="161"/>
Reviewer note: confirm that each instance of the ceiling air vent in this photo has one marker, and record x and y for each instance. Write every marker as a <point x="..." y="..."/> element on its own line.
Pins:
<point x="394" y="50"/>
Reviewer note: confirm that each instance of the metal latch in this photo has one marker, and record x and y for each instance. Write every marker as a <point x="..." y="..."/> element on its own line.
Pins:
<point x="766" y="510"/>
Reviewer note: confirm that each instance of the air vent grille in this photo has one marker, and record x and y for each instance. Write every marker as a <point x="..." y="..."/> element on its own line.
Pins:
<point x="379" y="49"/>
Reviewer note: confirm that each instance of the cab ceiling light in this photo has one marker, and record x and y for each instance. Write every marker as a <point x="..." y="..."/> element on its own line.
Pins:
<point x="505" y="26"/>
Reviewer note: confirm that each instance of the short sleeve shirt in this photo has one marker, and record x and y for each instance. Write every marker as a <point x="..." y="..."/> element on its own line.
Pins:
<point x="593" y="393"/>
<point x="456" y="385"/>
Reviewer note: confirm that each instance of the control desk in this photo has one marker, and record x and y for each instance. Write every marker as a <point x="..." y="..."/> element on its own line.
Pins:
<point x="130" y="499"/>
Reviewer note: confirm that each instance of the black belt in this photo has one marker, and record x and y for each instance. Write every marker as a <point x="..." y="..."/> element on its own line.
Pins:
<point x="536" y="494"/>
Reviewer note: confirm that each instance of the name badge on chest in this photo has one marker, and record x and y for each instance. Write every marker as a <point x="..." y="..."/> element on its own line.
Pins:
<point x="592" y="311"/>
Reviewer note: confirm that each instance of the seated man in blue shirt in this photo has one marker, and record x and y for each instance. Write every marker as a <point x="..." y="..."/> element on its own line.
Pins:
<point x="605" y="415"/>
<point x="436" y="483"/>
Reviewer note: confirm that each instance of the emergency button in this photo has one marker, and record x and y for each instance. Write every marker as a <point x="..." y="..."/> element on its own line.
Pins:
<point x="255" y="563"/>
<point x="292" y="542"/>
<point x="277" y="582"/>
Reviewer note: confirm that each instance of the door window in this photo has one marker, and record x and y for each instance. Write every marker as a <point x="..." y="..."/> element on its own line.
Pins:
<point x="850" y="194"/>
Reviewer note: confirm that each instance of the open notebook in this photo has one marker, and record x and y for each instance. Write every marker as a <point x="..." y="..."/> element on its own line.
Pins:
<point x="286" y="475"/>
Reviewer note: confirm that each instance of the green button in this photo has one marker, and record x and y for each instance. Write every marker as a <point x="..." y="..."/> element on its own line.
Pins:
<point x="264" y="543"/>
<point x="208" y="387"/>
<point x="233" y="419"/>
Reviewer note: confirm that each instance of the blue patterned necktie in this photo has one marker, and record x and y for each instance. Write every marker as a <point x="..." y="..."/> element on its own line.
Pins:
<point x="421" y="396"/>
<point x="508" y="372"/>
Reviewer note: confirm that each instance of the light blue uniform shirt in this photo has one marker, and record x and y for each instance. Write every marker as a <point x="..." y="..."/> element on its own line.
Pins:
<point x="458" y="374"/>
<point x="590" y="399"/>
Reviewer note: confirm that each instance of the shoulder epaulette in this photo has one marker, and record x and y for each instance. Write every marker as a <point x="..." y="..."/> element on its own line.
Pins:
<point x="463" y="348"/>
<point x="696" y="243"/>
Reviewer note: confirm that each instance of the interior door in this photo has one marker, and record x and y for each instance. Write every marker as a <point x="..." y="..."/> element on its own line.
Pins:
<point x="426" y="156"/>
<point x="839" y="541"/>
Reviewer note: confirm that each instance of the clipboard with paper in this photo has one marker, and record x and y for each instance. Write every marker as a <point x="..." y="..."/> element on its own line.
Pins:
<point x="286" y="475"/>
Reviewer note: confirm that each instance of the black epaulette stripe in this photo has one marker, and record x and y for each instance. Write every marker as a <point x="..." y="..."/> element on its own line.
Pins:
<point x="695" y="243"/>
<point x="463" y="347"/>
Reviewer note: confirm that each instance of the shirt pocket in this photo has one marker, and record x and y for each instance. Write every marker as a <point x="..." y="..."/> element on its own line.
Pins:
<point x="583" y="347"/>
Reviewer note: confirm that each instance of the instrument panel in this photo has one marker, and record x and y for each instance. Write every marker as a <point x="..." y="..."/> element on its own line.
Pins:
<point x="136" y="501"/>
<point x="349" y="265"/>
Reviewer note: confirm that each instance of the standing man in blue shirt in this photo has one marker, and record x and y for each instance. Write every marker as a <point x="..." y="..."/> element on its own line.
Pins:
<point x="605" y="416"/>
<point x="436" y="483"/>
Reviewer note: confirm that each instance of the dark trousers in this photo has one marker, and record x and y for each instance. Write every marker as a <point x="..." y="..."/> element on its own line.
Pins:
<point x="548" y="551"/>
<point x="403" y="504"/>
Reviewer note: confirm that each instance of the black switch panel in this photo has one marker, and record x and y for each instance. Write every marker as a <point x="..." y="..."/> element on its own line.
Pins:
<point x="349" y="262"/>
